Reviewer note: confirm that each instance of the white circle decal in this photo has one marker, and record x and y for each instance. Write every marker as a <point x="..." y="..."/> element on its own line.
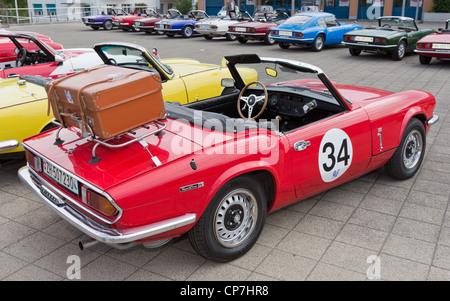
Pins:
<point x="335" y="154"/>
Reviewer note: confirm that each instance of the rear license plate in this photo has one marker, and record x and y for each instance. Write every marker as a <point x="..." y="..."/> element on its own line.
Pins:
<point x="285" y="33"/>
<point x="60" y="177"/>
<point x="241" y="29"/>
<point x="364" y="39"/>
<point x="441" y="46"/>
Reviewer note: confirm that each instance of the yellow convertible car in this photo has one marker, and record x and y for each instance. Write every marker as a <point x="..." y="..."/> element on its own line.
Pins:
<point x="23" y="103"/>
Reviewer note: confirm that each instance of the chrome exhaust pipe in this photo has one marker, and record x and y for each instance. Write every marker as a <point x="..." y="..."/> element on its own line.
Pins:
<point x="87" y="243"/>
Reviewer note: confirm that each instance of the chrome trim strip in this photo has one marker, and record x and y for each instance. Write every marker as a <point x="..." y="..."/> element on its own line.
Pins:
<point x="8" y="145"/>
<point x="369" y="45"/>
<point x="291" y="38"/>
<point x="243" y="33"/>
<point x="433" y="51"/>
<point x="433" y="120"/>
<point x="101" y="233"/>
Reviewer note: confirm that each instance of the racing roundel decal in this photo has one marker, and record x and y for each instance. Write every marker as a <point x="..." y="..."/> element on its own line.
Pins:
<point x="335" y="154"/>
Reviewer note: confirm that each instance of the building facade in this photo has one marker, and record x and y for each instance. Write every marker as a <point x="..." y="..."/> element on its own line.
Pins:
<point x="343" y="9"/>
<point x="71" y="10"/>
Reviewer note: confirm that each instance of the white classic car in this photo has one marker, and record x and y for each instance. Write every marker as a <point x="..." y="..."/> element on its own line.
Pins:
<point x="218" y="27"/>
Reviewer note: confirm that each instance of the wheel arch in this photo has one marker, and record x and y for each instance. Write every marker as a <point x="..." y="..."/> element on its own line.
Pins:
<point x="413" y="113"/>
<point x="264" y="174"/>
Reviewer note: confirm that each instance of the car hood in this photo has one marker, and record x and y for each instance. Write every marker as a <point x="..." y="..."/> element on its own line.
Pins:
<point x="117" y="164"/>
<point x="14" y="94"/>
<point x="77" y="59"/>
<point x="376" y="32"/>
<point x="151" y="19"/>
<point x="183" y="67"/>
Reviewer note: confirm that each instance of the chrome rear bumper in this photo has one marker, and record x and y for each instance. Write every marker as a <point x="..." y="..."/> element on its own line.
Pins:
<point x="94" y="229"/>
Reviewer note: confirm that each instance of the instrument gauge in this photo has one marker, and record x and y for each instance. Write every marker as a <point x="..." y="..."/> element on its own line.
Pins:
<point x="273" y="99"/>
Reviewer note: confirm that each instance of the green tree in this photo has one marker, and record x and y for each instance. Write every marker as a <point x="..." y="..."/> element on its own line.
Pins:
<point x="184" y="6"/>
<point x="441" y="6"/>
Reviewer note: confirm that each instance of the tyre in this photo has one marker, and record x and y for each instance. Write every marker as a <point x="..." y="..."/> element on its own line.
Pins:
<point x="208" y="37"/>
<point x="242" y="40"/>
<point x="399" y="52"/>
<point x="268" y="40"/>
<point x="232" y="222"/>
<point x="354" y="52"/>
<point x="230" y="37"/>
<point x="108" y="25"/>
<point x="424" y="60"/>
<point x="284" y="45"/>
<point x="95" y="27"/>
<point x="187" y="32"/>
<point x="170" y="34"/>
<point x="318" y="43"/>
<point x="409" y="154"/>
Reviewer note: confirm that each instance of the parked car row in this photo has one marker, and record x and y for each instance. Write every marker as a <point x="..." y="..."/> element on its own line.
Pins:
<point x="394" y="35"/>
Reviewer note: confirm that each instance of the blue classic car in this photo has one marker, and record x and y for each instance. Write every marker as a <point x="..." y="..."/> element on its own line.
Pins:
<point x="184" y="24"/>
<point x="316" y="29"/>
<point x="103" y="20"/>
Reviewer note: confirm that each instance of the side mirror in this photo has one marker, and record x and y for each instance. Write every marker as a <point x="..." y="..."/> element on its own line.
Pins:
<point x="227" y="82"/>
<point x="271" y="72"/>
<point x="59" y="59"/>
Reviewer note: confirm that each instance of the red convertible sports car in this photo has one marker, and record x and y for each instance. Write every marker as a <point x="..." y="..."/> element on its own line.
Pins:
<point x="27" y="54"/>
<point x="126" y="22"/>
<point x="215" y="168"/>
<point x="257" y="30"/>
<point x="434" y="45"/>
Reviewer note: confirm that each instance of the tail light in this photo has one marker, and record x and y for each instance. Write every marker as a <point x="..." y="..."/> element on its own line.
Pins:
<point x="349" y="38"/>
<point x="273" y="32"/>
<point x="34" y="161"/>
<point x="98" y="202"/>
<point x="214" y="27"/>
<point x="298" y="35"/>
<point x="197" y="26"/>
<point x="251" y="30"/>
<point x="230" y="28"/>
<point x="381" y="41"/>
<point x="424" y="45"/>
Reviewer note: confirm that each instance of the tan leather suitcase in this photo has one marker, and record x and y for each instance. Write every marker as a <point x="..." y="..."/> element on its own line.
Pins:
<point x="111" y="100"/>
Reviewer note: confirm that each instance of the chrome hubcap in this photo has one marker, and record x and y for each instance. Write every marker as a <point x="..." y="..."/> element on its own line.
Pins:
<point x="235" y="218"/>
<point x="412" y="149"/>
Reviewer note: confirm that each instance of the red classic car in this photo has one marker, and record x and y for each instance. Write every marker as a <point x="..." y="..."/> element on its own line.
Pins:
<point x="147" y="25"/>
<point x="214" y="168"/>
<point x="126" y="22"/>
<point x="434" y="45"/>
<point x="27" y="54"/>
<point x="257" y="30"/>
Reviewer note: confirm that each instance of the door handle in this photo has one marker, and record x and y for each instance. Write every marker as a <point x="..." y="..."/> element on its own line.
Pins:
<point x="12" y="75"/>
<point x="301" y="145"/>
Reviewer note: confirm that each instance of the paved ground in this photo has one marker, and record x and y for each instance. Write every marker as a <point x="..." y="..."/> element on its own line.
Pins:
<point x="327" y="237"/>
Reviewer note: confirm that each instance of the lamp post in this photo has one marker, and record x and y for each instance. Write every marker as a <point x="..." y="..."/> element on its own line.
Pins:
<point x="17" y="12"/>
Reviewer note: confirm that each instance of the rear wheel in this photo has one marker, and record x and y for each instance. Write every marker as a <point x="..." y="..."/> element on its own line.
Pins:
<point x="399" y="52"/>
<point x="208" y="37"/>
<point x="268" y="40"/>
<point x="354" y="52"/>
<point x="409" y="155"/>
<point x="187" y="32"/>
<point x="424" y="60"/>
<point x="108" y="25"/>
<point x="232" y="222"/>
<point x="242" y="40"/>
<point x="284" y="45"/>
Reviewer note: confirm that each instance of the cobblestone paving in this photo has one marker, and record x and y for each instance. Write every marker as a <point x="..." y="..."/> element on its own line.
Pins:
<point x="330" y="236"/>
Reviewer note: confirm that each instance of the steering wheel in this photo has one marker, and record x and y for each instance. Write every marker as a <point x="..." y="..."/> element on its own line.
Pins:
<point x="251" y="100"/>
<point x="21" y="57"/>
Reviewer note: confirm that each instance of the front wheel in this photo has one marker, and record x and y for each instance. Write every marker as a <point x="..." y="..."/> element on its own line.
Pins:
<point x="354" y="52"/>
<point x="108" y="25"/>
<point x="232" y="222"/>
<point x="409" y="155"/>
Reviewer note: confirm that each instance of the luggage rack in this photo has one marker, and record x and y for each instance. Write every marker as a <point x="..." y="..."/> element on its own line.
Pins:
<point x="94" y="159"/>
